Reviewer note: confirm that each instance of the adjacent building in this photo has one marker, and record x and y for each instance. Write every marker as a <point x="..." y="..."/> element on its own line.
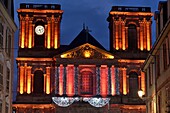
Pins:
<point x="82" y="76"/>
<point x="7" y="29"/>
<point x="157" y="63"/>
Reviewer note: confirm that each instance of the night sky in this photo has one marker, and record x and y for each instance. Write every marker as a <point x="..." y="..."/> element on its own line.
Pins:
<point x="91" y="12"/>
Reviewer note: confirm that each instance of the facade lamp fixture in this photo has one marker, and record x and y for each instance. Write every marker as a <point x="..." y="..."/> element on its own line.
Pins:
<point x="141" y="94"/>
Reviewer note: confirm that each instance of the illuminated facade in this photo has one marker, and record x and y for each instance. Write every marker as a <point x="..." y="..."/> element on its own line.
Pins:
<point x="7" y="30"/>
<point x="82" y="75"/>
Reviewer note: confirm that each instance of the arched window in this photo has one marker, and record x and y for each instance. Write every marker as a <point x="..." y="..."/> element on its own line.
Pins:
<point x="132" y="37"/>
<point x="133" y="84"/>
<point x="38" y="82"/>
<point x="39" y="40"/>
<point x="86" y="83"/>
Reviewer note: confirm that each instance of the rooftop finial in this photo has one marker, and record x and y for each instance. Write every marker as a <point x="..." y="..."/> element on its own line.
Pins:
<point x="83" y="25"/>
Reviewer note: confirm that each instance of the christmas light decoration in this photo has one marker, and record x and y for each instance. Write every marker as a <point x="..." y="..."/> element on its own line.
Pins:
<point x="63" y="101"/>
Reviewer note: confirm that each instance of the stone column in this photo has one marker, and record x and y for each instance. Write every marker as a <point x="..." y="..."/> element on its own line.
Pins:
<point x="76" y="72"/>
<point x="64" y="79"/>
<point x="57" y="68"/>
<point x="49" y="32"/>
<point x="109" y="80"/>
<point x="98" y="80"/>
<point x="30" y="33"/>
<point x="29" y="79"/>
<point x="124" y="82"/>
<point x="117" y="81"/>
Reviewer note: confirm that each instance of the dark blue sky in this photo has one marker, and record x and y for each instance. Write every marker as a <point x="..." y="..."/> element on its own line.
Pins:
<point x="91" y="12"/>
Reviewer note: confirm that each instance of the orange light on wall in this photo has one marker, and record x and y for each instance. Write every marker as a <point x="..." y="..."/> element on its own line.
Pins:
<point x="148" y="35"/>
<point x="49" y="35"/>
<point x="22" y="33"/>
<point x="33" y="26"/>
<point x="124" y="82"/>
<point x="117" y="36"/>
<point x="103" y="80"/>
<point x="126" y="37"/>
<point x="29" y="80"/>
<point x="120" y="34"/>
<point x="25" y="77"/>
<point x="138" y="37"/>
<point x="123" y="36"/>
<point x="56" y="36"/>
<point x="87" y="53"/>
<point x="143" y="82"/>
<point x="113" y="83"/>
<point x="52" y="31"/>
<point x="47" y="80"/>
<point x="21" y="89"/>
<point x="145" y="35"/>
<point x="70" y="80"/>
<point x="141" y="36"/>
<point x="61" y="80"/>
<point x="26" y="31"/>
<point x="30" y="35"/>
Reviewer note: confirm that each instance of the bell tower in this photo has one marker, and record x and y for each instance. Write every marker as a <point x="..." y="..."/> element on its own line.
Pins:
<point x="39" y="40"/>
<point x="39" y="26"/>
<point x="130" y="31"/>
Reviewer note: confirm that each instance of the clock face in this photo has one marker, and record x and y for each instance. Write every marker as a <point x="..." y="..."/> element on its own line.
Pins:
<point x="39" y="30"/>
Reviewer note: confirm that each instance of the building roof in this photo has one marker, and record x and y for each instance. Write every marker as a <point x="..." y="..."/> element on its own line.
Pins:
<point x="85" y="37"/>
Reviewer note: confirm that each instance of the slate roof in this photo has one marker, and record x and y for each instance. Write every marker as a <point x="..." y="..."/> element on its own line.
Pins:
<point x="84" y="37"/>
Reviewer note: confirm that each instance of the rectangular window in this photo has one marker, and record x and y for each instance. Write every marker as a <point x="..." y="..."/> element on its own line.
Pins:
<point x="157" y="65"/>
<point x="1" y="35"/>
<point x="1" y="77"/>
<point x="164" y="56"/>
<point x="8" y="42"/>
<point x="150" y="74"/>
<point x="169" y="47"/>
<point x="7" y="80"/>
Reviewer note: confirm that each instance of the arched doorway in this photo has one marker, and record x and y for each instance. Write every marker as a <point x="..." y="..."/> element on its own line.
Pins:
<point x="38" y="82"/>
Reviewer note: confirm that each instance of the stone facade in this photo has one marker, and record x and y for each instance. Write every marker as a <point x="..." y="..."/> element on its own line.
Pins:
<point x="7" y="30"/>
<point x="82" y="76"/>
<point x="157" y="64"/>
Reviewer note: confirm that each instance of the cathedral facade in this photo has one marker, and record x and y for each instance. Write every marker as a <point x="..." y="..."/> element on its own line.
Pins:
<point x="82" y="76"/>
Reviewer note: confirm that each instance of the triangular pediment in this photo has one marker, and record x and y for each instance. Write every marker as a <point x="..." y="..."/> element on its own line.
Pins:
<point x="86" y="51"/>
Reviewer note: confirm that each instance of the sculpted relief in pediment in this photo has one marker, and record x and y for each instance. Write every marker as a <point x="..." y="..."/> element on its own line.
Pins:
<point x="86" y="52"/>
